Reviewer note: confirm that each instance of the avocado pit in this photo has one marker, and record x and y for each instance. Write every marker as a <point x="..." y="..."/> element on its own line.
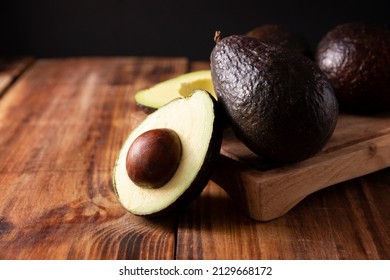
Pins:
<point x="153" y="157"/>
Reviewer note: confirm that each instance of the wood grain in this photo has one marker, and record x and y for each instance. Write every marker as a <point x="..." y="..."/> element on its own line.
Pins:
<point x="11" y="69"/>
<point x="62" y="125"/>
<point x="345" y="221"/>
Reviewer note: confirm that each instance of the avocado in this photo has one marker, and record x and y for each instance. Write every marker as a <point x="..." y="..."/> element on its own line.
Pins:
<point x="282" y="36"/>
<point x="279" y="103"/>
<point x="355" y="57"/>
<point x="158" y="95"/>
<point x="183" y="137"/>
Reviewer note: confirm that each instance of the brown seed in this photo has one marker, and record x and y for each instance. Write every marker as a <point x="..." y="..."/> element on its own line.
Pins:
<point x="153" y="157"/>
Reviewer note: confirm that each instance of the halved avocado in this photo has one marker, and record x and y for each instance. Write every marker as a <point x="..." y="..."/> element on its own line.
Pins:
<point x="160" y="94"/>
<point x="196" y="121"/>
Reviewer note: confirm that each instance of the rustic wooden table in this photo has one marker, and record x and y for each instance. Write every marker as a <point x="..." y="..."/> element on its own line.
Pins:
<point x="62" y="122"/>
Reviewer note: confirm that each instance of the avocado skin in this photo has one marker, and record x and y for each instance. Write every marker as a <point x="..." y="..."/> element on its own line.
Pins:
<point x="147" y="110"/>
<point x="356" y="57"/>
<point x="280" y="104"/>
<point x="282" y="36"/>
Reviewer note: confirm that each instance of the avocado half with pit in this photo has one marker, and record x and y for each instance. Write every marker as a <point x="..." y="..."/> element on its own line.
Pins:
<point x="160" y="94"/>
<point x="185" y="138"/>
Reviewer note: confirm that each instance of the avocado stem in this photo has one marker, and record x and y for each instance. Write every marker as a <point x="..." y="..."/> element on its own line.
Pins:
<point x="217" y="36"/>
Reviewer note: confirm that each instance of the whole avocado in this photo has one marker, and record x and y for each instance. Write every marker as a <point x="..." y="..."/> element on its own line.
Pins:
<point x="279" y="103"/>
<point x="356" y="57"/>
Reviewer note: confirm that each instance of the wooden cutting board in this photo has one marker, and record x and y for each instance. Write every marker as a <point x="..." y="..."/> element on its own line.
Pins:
<point x="360" y="145"/>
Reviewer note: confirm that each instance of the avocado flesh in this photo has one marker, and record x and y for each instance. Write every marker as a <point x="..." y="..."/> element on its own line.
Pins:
<point x="279" y="103"/>
<point x="355" y="57"/>
<point x="182" y="86"/>
<point x="200" y="133"/>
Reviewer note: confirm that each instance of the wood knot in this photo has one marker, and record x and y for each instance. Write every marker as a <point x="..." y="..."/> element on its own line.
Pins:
<point x="5" y="226"/>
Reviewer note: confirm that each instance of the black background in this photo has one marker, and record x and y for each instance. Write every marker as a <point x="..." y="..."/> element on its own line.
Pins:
<point x="49" y="28"/>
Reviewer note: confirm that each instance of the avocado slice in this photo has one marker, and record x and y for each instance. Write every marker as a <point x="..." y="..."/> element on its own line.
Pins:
<point x="158" y="95"/>
<point x="278" y="102"/>
<point x="355" y="57"/>
<point x="197" y="122"/>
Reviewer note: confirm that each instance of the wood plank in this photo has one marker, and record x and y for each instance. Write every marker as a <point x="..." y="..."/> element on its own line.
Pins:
<point x="62" y="125"/>
<point x="11" y="69"/>
<point x="348" y="220"/>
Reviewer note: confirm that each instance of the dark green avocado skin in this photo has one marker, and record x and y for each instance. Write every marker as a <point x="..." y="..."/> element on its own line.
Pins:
<point x="356" y="57"/>
<point x="279" y="103"/>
